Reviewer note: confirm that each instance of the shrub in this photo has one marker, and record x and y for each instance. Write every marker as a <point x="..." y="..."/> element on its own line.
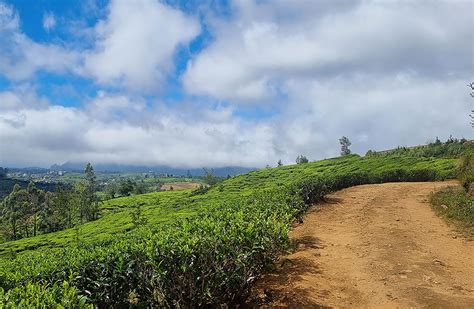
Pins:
<point x="208" y="259"/>
<point x="36" y="295"/>
<point x="466" y="170"/>
<point x="454" y="203"/>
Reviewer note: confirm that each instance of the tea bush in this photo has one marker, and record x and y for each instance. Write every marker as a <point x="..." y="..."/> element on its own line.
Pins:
<point x="34" y="295"/>
<point x="209" y="257"/>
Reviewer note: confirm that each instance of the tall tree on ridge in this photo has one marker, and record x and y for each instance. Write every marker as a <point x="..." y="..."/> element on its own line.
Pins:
<point x="345" y="143"/>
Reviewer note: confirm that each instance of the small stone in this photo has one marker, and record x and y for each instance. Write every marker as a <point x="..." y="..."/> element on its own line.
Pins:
<point x="438" y="262"/>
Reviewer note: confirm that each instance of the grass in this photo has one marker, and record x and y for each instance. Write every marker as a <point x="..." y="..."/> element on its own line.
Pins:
<point x="457" y="207"/>
<point x="200" y="248"/>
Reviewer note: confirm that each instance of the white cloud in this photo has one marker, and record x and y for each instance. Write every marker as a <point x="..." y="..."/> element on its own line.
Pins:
<point x="21" y="97"/>
<point x="187" y="137"/>
<point x="49" y="21"/>
<point x="136" y="43"/>
<point x="115" y="128"/>
<point x="267" y="43"/>
<point x="20" y="57"/>
<point x="374" y="112"/>
<point x="382" y="73"/>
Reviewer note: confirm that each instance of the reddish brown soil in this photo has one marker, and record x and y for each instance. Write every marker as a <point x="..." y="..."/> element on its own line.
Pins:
<point x="373" y="246"/>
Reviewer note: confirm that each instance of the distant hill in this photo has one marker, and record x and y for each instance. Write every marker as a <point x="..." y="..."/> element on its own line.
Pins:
<point x="117" y="168"/>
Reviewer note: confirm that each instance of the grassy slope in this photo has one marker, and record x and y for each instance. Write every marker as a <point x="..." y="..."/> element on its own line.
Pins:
<point x="168" y="206"/>
<point x="455" y="205"/>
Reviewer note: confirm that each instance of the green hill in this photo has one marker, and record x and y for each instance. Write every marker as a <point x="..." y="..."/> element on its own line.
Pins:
<point x="198" y="248"/>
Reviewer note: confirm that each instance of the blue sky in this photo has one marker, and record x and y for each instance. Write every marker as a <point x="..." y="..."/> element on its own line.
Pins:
<point x="64" y="13"/>
<point x="215" y="83"/>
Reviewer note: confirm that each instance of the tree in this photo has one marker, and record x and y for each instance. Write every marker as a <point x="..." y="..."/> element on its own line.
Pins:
<point x="3" y="172"/>
<point x="209" y="177"/>
<point x="345" y="143"/>
<point x="301" y="159"/>
<point x="36" y="199"/>
<point x="370" y="153"/>
<point x="279" y="163"/>
<point x="126" y="187"/>
<point x="13" y="211"/>
<point x="471" y="86"/>
<point x="139" y="188"/>
<point x="110" y="191"/>
<point x="81" y="200"/>
<point x="137" y="216"/>
<point x="64" y="208"/>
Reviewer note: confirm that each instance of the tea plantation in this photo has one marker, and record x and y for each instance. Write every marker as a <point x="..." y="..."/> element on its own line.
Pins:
<point x="192" y="248"/>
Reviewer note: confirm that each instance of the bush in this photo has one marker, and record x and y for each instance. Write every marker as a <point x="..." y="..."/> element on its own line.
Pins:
<point x="209" y="259"/>
<point x="454" y="203"/>
<point x="466" y="170"/>
<point x="35" y="295"/>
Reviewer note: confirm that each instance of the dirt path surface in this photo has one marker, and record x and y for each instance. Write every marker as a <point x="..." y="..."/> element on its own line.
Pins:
<point x="373" y="246"/>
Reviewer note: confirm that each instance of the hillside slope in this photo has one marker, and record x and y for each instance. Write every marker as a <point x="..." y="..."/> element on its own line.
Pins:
<point x="199" y="247"/>
<point x="161" y="207"/>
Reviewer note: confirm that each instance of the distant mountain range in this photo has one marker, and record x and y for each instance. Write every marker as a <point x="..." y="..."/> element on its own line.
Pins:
<point x="117" y="168"/>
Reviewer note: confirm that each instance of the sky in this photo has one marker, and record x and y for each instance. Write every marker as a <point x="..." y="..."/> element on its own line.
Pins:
<point x="229" y="83"/>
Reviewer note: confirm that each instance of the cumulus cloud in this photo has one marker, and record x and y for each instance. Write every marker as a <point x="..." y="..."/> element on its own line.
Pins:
<point x="21" y="57"/>
<point x="49" y="21"/>
<point x="375" y="112"/>
<point x="136" y="42"/>
<point x="267" y="43"/>
<point x="154" y="135"/>
<point x="382" y="73"/>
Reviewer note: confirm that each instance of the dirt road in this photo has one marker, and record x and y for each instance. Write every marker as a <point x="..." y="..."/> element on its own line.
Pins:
<point x="373" y="246"/>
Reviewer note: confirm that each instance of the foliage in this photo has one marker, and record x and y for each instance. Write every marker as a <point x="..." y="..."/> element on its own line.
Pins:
<point x="35" y="295"/>
<point x="454" y="203"/>
<point x="301" y="159"/>
<point x="137" y="216"/>
<point x="126" y="187"/>
<point x="197" y="249"/>
<point x="139" y="188"/>
<point x="452" y="148"/>
<point x="26" y="212"/>
<point x="7" y="184"/>
<point x="471" y="88"/>
<point x="3" y="172"/>
<point x="466" y="170"/>
<point x="345" y="143"/>
<point x="110" y="191"/>
<point x="209" y="177"/>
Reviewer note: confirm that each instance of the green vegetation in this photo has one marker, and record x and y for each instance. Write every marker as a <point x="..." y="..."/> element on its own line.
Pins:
<point x="345" y="143"/>
<point x="457" y="203"/>
<point x="28" y="212"/>
<point x="301" y="159"/>
<point x="35" y="295"/>
<point x="457" y="206"/>
<point x="7" y="184"/>
<point x="452" y="148"/>
<point x="200" y="248"/>
<point x="466" y="170"/>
